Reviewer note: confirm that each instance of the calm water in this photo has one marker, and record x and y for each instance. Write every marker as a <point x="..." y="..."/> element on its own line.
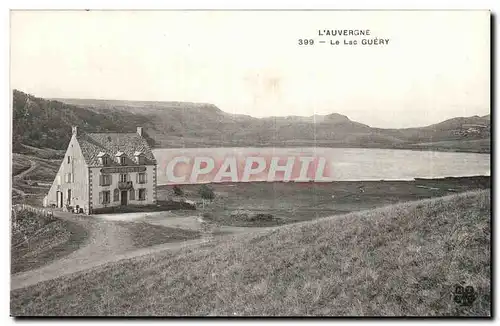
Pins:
<point x="349" y="164"/>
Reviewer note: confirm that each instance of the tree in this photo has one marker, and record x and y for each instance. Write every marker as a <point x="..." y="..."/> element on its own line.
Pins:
<point x="178" y="191"/>
<point x="206" y="193"/>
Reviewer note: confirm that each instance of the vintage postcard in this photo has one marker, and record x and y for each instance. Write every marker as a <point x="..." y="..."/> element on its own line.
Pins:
<point x="251" y="163"/>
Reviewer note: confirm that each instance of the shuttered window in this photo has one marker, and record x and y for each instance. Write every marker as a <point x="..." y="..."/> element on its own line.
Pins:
<point x="132" y="194"/>
<point x="105" y="179"/>
<point x="142" y="178"/>
<point x="116" y="195"/>
<point x="104" y="197"/>
<point x="142" y="194"/>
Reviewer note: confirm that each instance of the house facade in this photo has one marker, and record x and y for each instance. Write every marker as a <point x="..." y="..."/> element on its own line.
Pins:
<point x="103" y="170"/>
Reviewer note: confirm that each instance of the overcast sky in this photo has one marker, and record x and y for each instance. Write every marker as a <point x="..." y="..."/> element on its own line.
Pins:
<point x="436" y="65"/>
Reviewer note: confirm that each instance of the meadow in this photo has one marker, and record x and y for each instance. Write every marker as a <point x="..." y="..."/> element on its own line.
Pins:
<point x="399" y="260"/>
<point x="283" y="203"/>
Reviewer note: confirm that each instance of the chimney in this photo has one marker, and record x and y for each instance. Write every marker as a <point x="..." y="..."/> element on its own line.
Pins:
<point x="139" y="131"/>
<point x="74" y="130"/>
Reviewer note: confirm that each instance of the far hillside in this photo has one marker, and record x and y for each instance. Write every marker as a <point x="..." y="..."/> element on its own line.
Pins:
<point x="184" y="124"/>
<point x="46" y="123"/>
<point x="401" y="260"/>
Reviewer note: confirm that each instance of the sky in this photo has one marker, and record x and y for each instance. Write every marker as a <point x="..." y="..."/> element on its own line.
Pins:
<point x="435" y="66"/>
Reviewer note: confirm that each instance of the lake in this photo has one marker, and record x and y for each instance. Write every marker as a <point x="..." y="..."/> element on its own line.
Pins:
<point x="346" y="164"/>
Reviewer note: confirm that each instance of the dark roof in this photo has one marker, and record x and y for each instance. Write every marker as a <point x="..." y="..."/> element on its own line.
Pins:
<point x="111" y="143"/>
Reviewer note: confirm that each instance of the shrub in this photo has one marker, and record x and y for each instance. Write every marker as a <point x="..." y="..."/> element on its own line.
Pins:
<point x="248" y="216"/>
<point x="206" y="192"/>
<point x="178" y="191"/>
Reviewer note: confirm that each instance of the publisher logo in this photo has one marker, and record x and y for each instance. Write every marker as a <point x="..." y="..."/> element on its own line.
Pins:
<point x="464" y="296"/>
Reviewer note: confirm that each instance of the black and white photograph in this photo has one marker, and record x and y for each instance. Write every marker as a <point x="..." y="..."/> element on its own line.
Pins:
<point x="250" y="163"/>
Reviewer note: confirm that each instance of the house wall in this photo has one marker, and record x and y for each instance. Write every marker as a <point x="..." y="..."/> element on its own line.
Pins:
<point x="79" y="183"/>
<point x="96" y="188"/>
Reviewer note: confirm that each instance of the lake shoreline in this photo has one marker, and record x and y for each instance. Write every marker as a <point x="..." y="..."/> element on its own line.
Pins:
<point x="321" y="164"/>
<point x="472" y="178"/>
<point x="409" y="147"/>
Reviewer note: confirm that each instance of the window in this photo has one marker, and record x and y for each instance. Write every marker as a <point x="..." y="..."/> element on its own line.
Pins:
<point x="69" y="159"/>
<point x="105" y="160"/>
<point x="141" y="178"/>
<point x="123" y="177"/>
<point x="122" y="160"/>
<point x="139" y="159"/>
<point x="116" y="195"/>
<point x="104" y="197"/>
<point x="69" y="197"/>
<point x="132" y="194"/>
<point x="68" y="177"/>
<point x="105" y="179"/>
<point x="142" y="194"/>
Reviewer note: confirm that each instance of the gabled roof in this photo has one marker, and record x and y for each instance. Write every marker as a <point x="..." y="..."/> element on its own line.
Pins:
<point x="93" y="144"/>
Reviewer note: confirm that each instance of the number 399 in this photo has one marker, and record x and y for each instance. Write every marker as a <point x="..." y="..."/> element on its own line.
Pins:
<point x="306" y="41"/>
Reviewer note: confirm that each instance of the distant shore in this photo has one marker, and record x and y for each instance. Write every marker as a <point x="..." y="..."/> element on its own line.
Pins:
<point x="410" y="147"/>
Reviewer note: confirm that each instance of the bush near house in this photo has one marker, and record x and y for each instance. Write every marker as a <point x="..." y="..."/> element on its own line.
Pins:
<point x="206" y="192"/>
<point x="178" y="191"/>
<point x="162" y="205"/>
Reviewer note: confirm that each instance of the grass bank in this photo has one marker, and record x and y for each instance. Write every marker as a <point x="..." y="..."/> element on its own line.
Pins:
<point x="37" y="239"/>
<point x="398" y="260"/>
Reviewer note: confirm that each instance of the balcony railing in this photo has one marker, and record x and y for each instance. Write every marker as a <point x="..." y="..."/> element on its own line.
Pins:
<point x="125" y="185"/>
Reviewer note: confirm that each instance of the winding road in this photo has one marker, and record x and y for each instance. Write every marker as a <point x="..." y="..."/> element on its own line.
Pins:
<point x="108" y="242"/>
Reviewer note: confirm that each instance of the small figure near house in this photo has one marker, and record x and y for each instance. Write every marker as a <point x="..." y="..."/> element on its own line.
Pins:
<point x="361" y="189"/>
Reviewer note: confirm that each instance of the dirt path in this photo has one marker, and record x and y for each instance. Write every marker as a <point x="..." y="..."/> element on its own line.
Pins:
<point x="104" y="241"/>
<point x="107" y="242"/>
<point x="33" y="166"/>
<point x="19" y="176"/>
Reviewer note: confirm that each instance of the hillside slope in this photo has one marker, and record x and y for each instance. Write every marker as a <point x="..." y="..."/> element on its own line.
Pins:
<point x="398" y="260"/>
<point x="46" y="123"/>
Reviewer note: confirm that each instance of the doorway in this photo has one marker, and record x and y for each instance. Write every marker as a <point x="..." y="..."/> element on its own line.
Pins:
<point x="59" y="196"/>
<point x="124" y="197"/>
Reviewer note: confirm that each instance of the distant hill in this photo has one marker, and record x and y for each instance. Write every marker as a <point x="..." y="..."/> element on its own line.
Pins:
<point x="46" y="123"/>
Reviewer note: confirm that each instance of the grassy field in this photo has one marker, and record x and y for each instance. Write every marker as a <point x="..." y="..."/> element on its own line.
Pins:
<point x="399" y="260"/>
<point x="144" y="235"/>
<point x="294" y="202"/>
